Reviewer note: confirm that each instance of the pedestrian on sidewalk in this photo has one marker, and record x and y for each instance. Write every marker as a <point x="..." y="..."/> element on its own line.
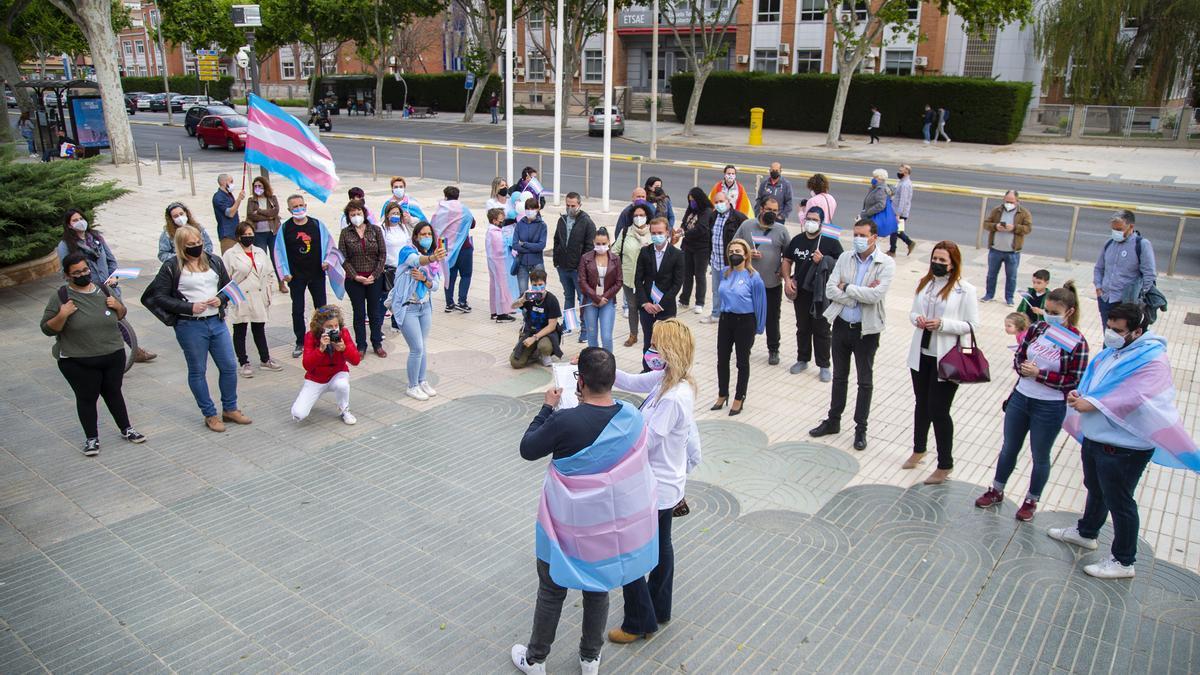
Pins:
<point x="82" y="318"/>
<point x="262" y="210"/>
<point x="529" y="242"/>
<point x="328" y="355"/>
<point x="734" y="191"/>
<point x="463" y="269"/>
<point x="768" y="238"/>
<point x="873" y="125"/>
<point x="1007" y="225"/>
<point x="541" y="333"/>
<point x="819" y="197"/>
<point x="417" y="277"/>
<point x="695" y="243"/>
<point x="251" y="269"/>
<point x="743" y="315"/>
<point x="877" y="198"/>
<point x="856" y="290"/>
<point x="807" y="265"/>
<point x="1048" y="369"/>
<point x="494" y="107"/>
<point x="661" y="202"/>
<point x="225" y="209"/>
<point x="943" y="116"/>
<point x="629" y="248"/>
<point x="583" y="441"/>
<point x="673" y="444"/>
<point x="573" y="235"/>
<point x="722" y="224"/>
<point x="301" y="247"/>
<point x="502" y="285"/>
<point x="777" y="187"/>
<point x="177" y="215"/>
<point x="927" y="121"/>
<point x="1126" y="268"/>
<point x="600" y="280"/>
<point x="944" y="311"/>
<point x="904" y="195"/>
<point x="658" y="277"/>
<point x="365" y="253"/>
<point x="1123" y="414"/>
<point x="186" y="295"/>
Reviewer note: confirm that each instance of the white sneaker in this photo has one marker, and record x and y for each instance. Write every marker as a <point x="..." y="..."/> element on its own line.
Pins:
<point x="1109" y="569"/>
<point x="428" y="389"/>
<point x="1071" y="535"/>
<point x="415" y="392"/>
<point x="590" y="667"/>
<point x="547" y="361"/>
<point x="349" y="418"/>
<point x="518" y="659"/>
<point x="708" y="319"/>
<point x="624" y="312"/>
<point x="698" y="310"/>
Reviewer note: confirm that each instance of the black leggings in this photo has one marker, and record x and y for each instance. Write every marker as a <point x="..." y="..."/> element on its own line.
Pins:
<point x="259" y="330"/>
<point x="934" y="398"/>
<point x="734" y="330"/>
<point x="695" y="271"/>
<point x="92" y="377"/>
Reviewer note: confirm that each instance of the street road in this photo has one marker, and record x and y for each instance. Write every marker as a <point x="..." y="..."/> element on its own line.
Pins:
<point x="934" y="216"/>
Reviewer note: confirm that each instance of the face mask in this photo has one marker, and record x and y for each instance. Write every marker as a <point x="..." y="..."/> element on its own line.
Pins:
<point x="939" y="269"/>
<point x="601" y="249"/>
<point x="503" y="192"/>
<point x="1054" y="319"/>
<point x="768" y="218"/>
<point x="531" y="214"/>
<point x="356" y="220"/>
<point x="82" y="280"/>
<point x="193" y="251"/>
<point x="736" y="259"/>
<point x="775" y="175"/>
<point x="874" y="182"/>
<point x="899" y="175"/>
<point x="572" y="211"/>
<point x="812" y="226"/>
<point x="258" y="190"/>
<point x="180" y="221"/>
<point x="812" y="193"/>
<point x="398" y="192"/>
<point x="394" y="219"/>
<point x="1118" y="236"/>
<point x="691" y="203"/>
<point x="654" y="360"/>
<point x="639" y="220"/>
<point x="658" y="239"/>
<point x="80" y="225"/>
<point x="299" y="212"/>
<point x="425" y="242"/>
<point x="729" y="179"/>
<point x="861" y="244"/>
<point x="247" y="241"/>
<point x="1113" y="339"/>
<point x="1009" y="206"/>
<point x="722" y="207"/>
<point x="658" y="191"/>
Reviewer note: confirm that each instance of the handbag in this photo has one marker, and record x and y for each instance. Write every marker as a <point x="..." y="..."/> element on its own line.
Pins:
<point x="886" y="221"/>
<point x="965" y="365"/>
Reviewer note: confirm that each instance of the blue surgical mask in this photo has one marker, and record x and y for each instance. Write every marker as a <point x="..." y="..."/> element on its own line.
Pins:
<point x="531" y="214"/>
<point x="394" y="219"/>
<point x="425" y="242"/>
<point x="721" y="207"/>
<point x="658" y="239"/>
<point x="1118" y="236"/>
<point x="1054" y="319"/>
<point x="861" y="244"/>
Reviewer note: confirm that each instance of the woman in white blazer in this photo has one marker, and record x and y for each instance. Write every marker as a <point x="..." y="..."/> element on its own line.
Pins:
<point x="943" y="311"/>
<point x="250" y="267"/>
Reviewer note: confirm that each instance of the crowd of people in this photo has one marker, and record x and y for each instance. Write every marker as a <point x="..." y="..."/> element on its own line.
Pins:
<point x="731" y="258"/>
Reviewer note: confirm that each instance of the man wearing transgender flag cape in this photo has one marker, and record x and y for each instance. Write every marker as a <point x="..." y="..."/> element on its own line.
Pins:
<point x="1124" y="415"/>
<point x="597" y="522"/>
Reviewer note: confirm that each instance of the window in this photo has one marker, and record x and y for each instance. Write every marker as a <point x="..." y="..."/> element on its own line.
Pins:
<point x="536" y="69"/>
<point x="593" y="65"/>
<point x="812" y="10"/>
<point x="537" y="19"/>
<point x="768" y="11"/>
<point x="808" y="60"/>
<point x="860" y="9"/>
<point x="914" y="10"/>
<point x="307" y="63"/>
<point x="128" y="46"/>
<point x="141" y="47"/>
<point x="898" y="62"/>
<point x="766" y="60"/>
<point x="980" y="53"/>
<point x="287" y="67"/>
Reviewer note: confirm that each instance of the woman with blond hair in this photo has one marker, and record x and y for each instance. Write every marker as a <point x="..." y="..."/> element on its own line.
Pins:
<point x="673" y="445"/>
<point x="177" y="215"/>
<point x="743" y="298"/>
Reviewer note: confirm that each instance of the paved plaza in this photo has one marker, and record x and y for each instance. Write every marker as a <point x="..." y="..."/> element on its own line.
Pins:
<point x="405" y="543"/>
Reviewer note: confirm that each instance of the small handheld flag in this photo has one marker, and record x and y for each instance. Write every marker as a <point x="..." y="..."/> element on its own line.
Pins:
<point x="571" y="319"/>
<point x="335" y="272"/>
<point x="761" y="241"/>
<point x="233" y="292"/>
<point x="656" y="295"/>
<point x="1062" y="338"/>
<point x="831" y="230"/>
<point x="125" y="273"/>
<point x="534" y="186"/>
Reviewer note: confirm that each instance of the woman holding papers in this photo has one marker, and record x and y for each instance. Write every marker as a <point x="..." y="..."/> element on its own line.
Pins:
<point x="190" y="293"/>
<point x="600" y="280"/>
<point x="250" y="267"/>
<point x="1050" y="362"/>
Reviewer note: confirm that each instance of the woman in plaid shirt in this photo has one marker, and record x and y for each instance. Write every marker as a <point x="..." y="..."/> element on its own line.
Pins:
<point x="1050" y="362"/>
<point x="363" y="245"/>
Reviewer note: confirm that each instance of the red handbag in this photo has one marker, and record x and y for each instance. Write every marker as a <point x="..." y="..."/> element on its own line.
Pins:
<point x="965" y="365"/>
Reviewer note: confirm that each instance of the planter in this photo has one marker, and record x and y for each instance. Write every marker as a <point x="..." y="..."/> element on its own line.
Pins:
<point x="30" y="270"/>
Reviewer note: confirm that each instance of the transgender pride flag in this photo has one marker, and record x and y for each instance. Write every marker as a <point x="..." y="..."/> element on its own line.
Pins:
<point x="452" y="224"/>
<point x="281" y="143"/>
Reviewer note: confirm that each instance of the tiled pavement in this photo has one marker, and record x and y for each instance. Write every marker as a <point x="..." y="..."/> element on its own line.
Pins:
<point x="404" y="544"/>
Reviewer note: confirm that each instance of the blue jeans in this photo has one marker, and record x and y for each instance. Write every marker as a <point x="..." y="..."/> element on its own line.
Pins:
<point x="1105" y="306"/>
<point x="599" y="324"/>
<point x="495" y="114"/>
<point x="570" y="283"/>
<point x="925" y="131"/>
<point x="716" y="278"/>
<point x="199" y="339"/>
<point x="1041" y="420"/>
<point x="418" y="319"/>
<point x="1111" y="475"/>
<point x="648" y="602"/>
<point x="1011" y="261"/>
<point x="523" y="276"/>
<point x="266" y="241"/>
<point x="464" y="265"/>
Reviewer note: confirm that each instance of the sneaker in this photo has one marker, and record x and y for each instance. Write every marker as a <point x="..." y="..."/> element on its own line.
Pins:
<point x="773" y="358"/>
<point x="91" y="447"/>
<point x="464" y="308"/>
<point x="297" y="351"/>
<point x="798" y="367"/>
<point x="826" y="375"/>
<point x="589" y="667"/>
<point x="624" y="312"/>
<point x="246" y="370"/>
<point x="450" y="308"/>
<point x="684" y="305"/>
<point x="415" y="392"/>
<point x="1109" y="569"/>
<point x="567" y="331"/>
<point x="349" y="418"/>
<point x="503" y="318"/>
<point x="428" y="389"/>
<point x="547" y="361"/>
<point x="133" y="436"/>
<point x="271" y="364"/>
<point x="986" y="299"/>
<point x="518" y="659"/>
<point x="708" y="319"/>
<point x="990" y="498"/>
<point x="699" y="309"/>
<point x="1025" y="513"/>
<point x="1071" y="535"/>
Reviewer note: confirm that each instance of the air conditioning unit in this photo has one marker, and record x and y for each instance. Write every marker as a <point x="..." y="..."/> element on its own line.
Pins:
<point x="783" y="59"/>
<point x="921" y="61"/>
<point x="519" y="72"/>
<point x="784" y="48"/>
<point x="743" y="58"/>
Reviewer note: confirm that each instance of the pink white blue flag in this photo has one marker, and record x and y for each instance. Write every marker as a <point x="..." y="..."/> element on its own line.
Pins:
<point x="1062" y="337"/>
<point x="656" y="295"/>
<point x="831" y="230"/>
<point x="281" y="143"/>
<point x="761" y="241"/>
<point x="125" y="273"/>
<point x="571" y="318"/>
<point x="535" y="186"/>
<point x="452" y="224"/>
<point x="234" y="292"/>
<point x="335" y="272"/>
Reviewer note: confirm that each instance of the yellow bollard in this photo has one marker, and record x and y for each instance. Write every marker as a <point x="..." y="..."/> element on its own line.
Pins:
<point x="756" y="117"/>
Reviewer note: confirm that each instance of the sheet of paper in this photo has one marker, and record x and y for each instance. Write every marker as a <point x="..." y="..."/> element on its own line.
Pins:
<point x="564" y="378"/>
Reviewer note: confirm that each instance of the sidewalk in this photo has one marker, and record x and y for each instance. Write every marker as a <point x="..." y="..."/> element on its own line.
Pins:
<point x="404" y="543"/>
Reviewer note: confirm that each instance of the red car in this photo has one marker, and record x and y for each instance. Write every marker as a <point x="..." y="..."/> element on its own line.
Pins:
<point x="228" y="131"/>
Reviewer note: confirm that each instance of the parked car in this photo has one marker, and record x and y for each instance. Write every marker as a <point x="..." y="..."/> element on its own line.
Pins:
<point x="144" y="101"/>
<point x="596" y="122"/>
<point x="130" y="106"/>
<point x="199" y="112"/>
<point x="158" y="103"/>
<point x="222" y="130"/>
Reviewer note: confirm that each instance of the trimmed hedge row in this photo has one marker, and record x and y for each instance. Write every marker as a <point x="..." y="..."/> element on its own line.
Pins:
<point x="981" y="110"/>
<point x="180" y="84"/>
<point x="442" y="91"/>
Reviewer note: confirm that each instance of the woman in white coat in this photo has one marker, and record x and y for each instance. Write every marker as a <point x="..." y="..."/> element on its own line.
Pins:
<point x="943" y="311"/>
<point x="250" y="267"/>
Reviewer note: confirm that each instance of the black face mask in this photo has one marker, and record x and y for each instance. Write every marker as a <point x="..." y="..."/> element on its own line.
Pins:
<point x="658" y="191"/>
<point x="768" y="218"/>
<point x="246" y="241"/>
<point x="775" y="175"/>
<point x="193" y="251"/>
<point x="503" y="192"/>
<point x="899" y="174"/>
<point x="939" y="269"/>
<point x="82" y="280"/>
<point x="737" y="259"/>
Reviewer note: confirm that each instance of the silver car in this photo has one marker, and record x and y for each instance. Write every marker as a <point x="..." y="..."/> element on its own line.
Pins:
<point x="596" y="122"/>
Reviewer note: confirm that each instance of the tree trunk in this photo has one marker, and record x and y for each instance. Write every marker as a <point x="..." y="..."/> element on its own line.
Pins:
<point x="380" y="71"/>
<point x="701" y="76"/>
<point x="473" y="101"/>
<point x="94" y="18"/>
<point x="314" y="85"/>
<point x="10" y="72"/>
<point x="845" y="74"/>
<point x="570" y="63"/>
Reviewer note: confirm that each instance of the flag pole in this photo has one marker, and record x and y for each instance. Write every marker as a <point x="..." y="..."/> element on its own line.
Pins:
<point x="558" y="101"/>
<point x="243" y="176"/>
<point x="608" y="117"/>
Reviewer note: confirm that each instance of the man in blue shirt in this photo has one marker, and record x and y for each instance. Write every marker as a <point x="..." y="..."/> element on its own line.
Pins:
<point x="225" y="209"/>
<point x="1126" y="267"/>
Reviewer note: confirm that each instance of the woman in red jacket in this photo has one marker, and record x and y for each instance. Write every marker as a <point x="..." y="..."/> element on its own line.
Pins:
<point x="328" y="354"/>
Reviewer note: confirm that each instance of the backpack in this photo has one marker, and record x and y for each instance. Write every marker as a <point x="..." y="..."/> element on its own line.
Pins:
<point x="945" y="114"/>
<point x="1152" y="301"/>
<point x="62" y="293"/>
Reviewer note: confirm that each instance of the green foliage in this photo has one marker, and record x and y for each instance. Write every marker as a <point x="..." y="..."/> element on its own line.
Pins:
<point x="442" y="91"/>
<point x="33" y="197"/>
<point x="180" y="84"/>
<point x="201" y="23"/>
<point x="39" y="29"/>
<point x="981" y="110"/>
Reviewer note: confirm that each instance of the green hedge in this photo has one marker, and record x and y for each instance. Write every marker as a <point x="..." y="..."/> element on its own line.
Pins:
<point x="981" y="110"/>
<point x="443" y="91"/>
<point x="180" y="84"/>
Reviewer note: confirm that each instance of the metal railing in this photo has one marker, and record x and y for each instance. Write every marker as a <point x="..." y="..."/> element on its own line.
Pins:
<point x="1049" y="120"/>
<point x="1159" y="123"/>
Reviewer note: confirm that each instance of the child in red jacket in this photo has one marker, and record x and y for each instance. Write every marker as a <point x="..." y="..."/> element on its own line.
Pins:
<point x="328" y="354"/>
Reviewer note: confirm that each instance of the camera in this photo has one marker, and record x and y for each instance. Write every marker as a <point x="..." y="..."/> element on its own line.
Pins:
<point x="334" y="335"/>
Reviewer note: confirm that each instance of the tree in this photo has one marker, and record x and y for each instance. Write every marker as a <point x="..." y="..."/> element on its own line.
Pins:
<point x="209" y="23"/>
<point x="706" y="23"/>
<point x="864" y="28"/>
<point x="380" y="40"/>
<point x="484" y="21"/>
<point x="49" y="32"/>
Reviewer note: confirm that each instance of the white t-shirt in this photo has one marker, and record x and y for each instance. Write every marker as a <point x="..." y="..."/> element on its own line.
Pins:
<point x="601" y="270"/>
<point x="198" y="287"/>
<point x="395" y="237"/>
<point x="1047" y="356"/>
<point x="933" y="306"/>
<point x="673" y="442"/>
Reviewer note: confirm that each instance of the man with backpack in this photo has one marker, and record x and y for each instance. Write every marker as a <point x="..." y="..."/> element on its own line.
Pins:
<point x="1125" y="271"/>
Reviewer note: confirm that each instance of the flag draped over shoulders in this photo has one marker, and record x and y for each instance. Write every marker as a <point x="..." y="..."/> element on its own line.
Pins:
<point x="452" y="224"/>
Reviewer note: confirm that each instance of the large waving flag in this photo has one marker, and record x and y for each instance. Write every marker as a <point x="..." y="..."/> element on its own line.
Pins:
<point x="283" y="144"/>
<point x="452" y="224"/>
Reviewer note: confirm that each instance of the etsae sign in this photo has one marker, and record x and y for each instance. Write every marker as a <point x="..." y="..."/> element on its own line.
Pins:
<point x="247" y="16"/>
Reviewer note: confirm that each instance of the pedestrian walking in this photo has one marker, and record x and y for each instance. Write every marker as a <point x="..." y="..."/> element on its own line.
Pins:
<point x="494" y="107"/>
<point x="1126" y="268"/>
<point x="573" y="235"/>
<point x="262" y="210"/>
<point x="743" y="315"/>
<point x="873" y="125"/>
<point x="529" y="242"/>
<point x="768" y="238"/>
<point x="904" y="195"/>
<point x="88" y="348"/>
<point x="541" y="332"/>
<point x="722" y="225"/>
<point x="657" y="280"/>
<point x="943" y="116"/>
<point x="301" y="248"/>
<point x="365" y="253"/>
<point x="944" y="310"/>
<point x="695" y="242"/>
<point x="328" y="355"/>
<point x="735" y="193"/>
<point x="600" y="280"/>
<point x="819" y="197"/>
<point x="1007" y="226"/>
<point x="629" y="248"/>
<point x="928" y="118"/>
<point x="807" y="264"/>
<point x="778" y="188"/>
<point x="417" y="277"/>
<point x="251" y="269"/>
<point x="177" y="215"/>
<point x="225" y="209"/>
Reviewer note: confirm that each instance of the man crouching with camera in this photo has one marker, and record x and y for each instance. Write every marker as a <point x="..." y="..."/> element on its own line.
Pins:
<point x="328" y="354"/>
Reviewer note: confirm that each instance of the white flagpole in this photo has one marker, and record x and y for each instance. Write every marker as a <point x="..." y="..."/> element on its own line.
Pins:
<point x="559" y="110"/>
<point x="654" y="85"/>
<point x="509" y="74"/>
<point x="608" y="118"/>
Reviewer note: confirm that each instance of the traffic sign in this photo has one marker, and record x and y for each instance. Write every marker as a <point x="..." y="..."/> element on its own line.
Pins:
<point x="470" y="82"/>
<point x="207" y="52"/>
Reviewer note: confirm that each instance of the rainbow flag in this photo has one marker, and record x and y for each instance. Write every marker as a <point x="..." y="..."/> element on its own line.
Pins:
<point x="234" y="292"/>
<point x="597" y="522"/>
<point x="831" y="230"/>
<point x="452" y="223"/>
<point x="1062" y="337"/>
<point x="281" y="143"/>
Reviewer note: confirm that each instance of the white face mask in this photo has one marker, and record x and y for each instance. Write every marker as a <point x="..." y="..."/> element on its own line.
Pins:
<point x="812" y="226"/>
<point x="861" y="244"/>
<point x="399" y="192"/>
<point x="1113" y="339"/>
<point x="531" y="214"/>
<point x="1009" y="206"/>
<point x="356" y="220"/>
<point x="1118" y="236"/>
<point x="180" y="221"/>
<point x="639" y="220"/>
<point x="79" y="225"/>
<point x="730" y="179"/>
<point x="601" y="249"/>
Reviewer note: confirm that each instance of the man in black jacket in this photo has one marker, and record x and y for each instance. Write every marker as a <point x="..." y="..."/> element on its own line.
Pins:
<point x="573" y="237"/>
<point x="658" y="279"/>
<point x="722" y="223"/>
